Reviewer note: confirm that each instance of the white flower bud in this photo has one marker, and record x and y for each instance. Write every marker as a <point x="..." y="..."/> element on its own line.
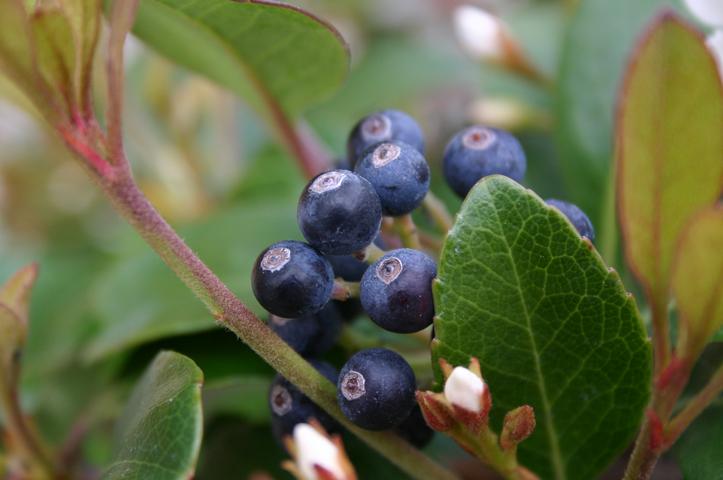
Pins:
<point x="313" y="448"/>
<point x="715" y="43"/>
<point x="465" y="389"/>
<point x="709" y="12"/>
<point x="480" y="33"/>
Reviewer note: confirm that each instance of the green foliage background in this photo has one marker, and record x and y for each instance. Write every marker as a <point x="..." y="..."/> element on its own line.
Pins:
<point x="104" y="304"/>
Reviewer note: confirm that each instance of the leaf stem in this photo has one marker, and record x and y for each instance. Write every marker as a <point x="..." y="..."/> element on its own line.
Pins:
<point x="22" y="434"/>
<point x="659" y="432"/>
<point x="438" y="212"/>
<point x="694" y="407"/>
<point x="121" y="20"/>
<point x="661" y="332"/>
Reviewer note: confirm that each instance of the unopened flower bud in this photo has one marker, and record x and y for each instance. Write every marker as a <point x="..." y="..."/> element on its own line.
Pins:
<point x="464" y="389"/>
<point x="715" y="43"/>
<point x="436" y="411"/>
<point x="709" y="12"/>
<point x="517" y="426"/>
<point x="480" y="33"/>
<point x="316" y="456"/>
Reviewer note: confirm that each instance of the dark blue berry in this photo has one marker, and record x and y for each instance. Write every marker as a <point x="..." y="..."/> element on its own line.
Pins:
<point x="396" y="291"/>
<point x="291" y="279"/>
<point x="310" y="335"/>
<point x="399" y="174"/>
<point x="381" y="127"/>
<point x="376" y="389"/>
<point x="576" y="216"/>
<point x="289" y="406"/>
<point x="478" y="151"/>
<point x="414" y="429"/>
<point x="339" y="213"/>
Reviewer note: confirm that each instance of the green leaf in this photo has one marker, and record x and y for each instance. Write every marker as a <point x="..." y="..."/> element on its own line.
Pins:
<point x="14" y="312"/>
<point x="599" y="39"/>
<point x="698" y="450"/>
<point x="277" y="57"/>
<point x="551" y="325"/>
<point x="15" y="293"/>
<point x="132" y="298"/>
<point x="669" y="144"/>
<point x="159" y="433"/>
<point x="698" y="280"/>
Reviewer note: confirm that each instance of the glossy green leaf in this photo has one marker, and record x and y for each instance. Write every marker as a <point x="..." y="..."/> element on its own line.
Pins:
<point x="698" y="279"/>
<point x="132" y="299"/>
<point x="669" y="146"/>
<point x="159" y="434"/>
<point x="599" y="39"/>
<point x="552" y="326"/>
<point x="698" y="450"/>
<point x="277" y="57"/>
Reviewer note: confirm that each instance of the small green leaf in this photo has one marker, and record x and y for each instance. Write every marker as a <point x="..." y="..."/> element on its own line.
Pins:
<point x="14" y="312"/>
<point x="669" y="144"/>
<point x="698" y="450"/>
<point x="551" y="325"/>
<point x="277" y="57"/>
<point x="159" y="433"/>
<point x="15" y="293"/>
<point x="698" y="280"/>
<point x="598" y="42"/>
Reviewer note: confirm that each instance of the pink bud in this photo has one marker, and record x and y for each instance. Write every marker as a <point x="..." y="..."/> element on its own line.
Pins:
<point x="435" y="410"/>
<point x="517" y="426"/>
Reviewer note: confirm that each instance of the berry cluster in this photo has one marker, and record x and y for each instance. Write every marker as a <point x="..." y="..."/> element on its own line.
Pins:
<point x="340" y="214"/>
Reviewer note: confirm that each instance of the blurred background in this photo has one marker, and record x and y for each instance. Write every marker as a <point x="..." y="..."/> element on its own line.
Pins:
<point x="104" y="304"/>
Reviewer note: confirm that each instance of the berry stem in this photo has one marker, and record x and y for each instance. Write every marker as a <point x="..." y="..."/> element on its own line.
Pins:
<point x="122" y="191"/>
<point x="438" y="212"/>
<point x="407" y="231"/>
<point x="370" y="254"/>
<point x="344" y="290"/>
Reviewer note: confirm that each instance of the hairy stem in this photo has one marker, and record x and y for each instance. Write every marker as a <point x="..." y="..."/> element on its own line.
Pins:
<point x="230" y="312"/>
<point x="644" y="457"/>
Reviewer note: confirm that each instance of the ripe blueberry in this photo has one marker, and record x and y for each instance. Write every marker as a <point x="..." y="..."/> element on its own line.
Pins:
<point x="291" y="279"/>
<point x="376" y="389"/>
<point x="289" y="406"/>
<point x="396" y="291"/>
<point x="414" y="429"/>
<point x="576" y="216"/>
<point x="399" y="174"/>
<point x="381" y="127"/>
<point x="339" y="212"/>
<point x="310" y="335"/>
<point x="478" y="151"/>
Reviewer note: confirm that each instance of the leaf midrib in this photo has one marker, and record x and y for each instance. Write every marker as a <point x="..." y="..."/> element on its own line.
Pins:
<point x="557" y="462"/>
